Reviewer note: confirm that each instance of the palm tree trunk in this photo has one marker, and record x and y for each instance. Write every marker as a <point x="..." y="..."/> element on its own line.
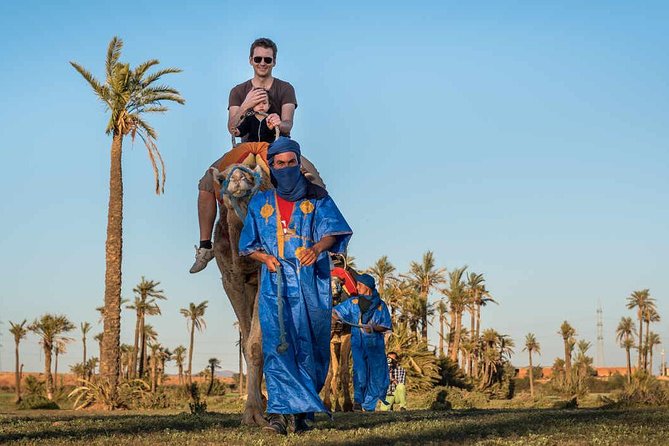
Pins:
<point x="142" y="349"/>
<point x="84" y="342"/>
<point x="424" y="318"/>
<point x="190" y="354"/>
<point x="458" y="333"/>
<point x="650" y="368"/>
<point x="133" y="359"/>
<point x="476" y="338"/>
<point x="441" y="333"/>
<point x="181" y="374"/>
<point x="531" y="372"/>
<point x="55" y="371"/>
<point x="567" y="361"/>
<point x="640" y="338"/>
<point x="451" y="331"/>
<point x="153" y="373"/>
<point x="110" y="356"/>
<point x="17" y="375"/>
<point x="47" y="371"/>
<point x="629" y="366"/>
<point x="211" y="381"/>
<point x="646" y="347"/>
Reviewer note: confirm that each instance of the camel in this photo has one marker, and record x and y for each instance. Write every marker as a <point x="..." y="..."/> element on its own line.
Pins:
<point x="239" y="171"/>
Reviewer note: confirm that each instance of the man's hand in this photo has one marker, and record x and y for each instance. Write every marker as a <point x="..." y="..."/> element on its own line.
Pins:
<point x="273" y="120"/>
<point x="308" y="256"/>
<point x="271" y="262"/>
<point x="253" y="98"/>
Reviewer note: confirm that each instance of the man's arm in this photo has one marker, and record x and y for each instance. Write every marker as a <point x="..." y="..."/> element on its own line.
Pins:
<point x="267" y="259"/>
<point x="235" y="112"/>
<point x="287" y="114"/>
<point x="309" y="255"/>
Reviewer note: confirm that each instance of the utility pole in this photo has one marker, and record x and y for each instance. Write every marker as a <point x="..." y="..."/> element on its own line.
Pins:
<point x="600" y="336"/>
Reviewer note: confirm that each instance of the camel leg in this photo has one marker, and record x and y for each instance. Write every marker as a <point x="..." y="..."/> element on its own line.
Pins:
<point x="255" y="403"/>
<point x="326" y="387"/>
<point x="345" y="358"/>
<point x="336" y="370"/>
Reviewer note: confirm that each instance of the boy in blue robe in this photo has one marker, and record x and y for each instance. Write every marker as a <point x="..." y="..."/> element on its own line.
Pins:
<point x="369" y="319"/>
<point x="290" y="230"/>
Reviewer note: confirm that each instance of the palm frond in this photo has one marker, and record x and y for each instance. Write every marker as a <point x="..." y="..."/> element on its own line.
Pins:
<point x="113" y="54"/>
<point x="99" y="89"/>
<point x="141" y="68"/>
<point x="151" y="78"/>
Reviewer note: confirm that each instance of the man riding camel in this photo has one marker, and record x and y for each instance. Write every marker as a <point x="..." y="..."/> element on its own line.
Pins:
<point x="262" y="88"/>
<point x="291" y="230"/>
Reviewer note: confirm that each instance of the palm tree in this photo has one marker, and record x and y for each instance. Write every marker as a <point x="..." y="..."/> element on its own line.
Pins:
<point x="426" y="276"/>
<point x="457" y="299"/>
<point x="239" y="345"/>
<point x="19" y="331"/>
<point x="49" y="327"/>
<point x="98" y="337"/>
<point x="194" y="318"/>
<point x="60" y="347"/>
<point x="146" y="294"/>
<point x="625" y="335"/>
<point x="652" y="339"/>
<point x="149" y="335"/>
<point x="383" y="272"/>
<point x="442" y="309"/>
<point x="214" y="364"/>
<point x="128" y="94"/>
<point x="179" y="359"/>
<point x="583" y="361"/>
<point x="531" y="346"/>
<point x="155" y="352"/>
<point x="567" y="332"/>
<point x="639" y="300"/>
<point x="85" y="328"/>
<point x="650" y="314"/>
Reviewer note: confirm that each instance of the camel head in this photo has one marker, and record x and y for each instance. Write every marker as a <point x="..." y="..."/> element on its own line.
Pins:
<point x="237" y="184"/>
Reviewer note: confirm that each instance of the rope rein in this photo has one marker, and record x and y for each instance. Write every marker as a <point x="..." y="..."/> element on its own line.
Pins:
<point x="283" y="344"/>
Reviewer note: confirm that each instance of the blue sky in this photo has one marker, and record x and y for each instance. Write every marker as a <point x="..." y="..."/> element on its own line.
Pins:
<point x="525" y="139"/>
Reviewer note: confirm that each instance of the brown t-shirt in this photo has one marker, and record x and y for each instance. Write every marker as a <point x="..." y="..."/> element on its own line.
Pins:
<point x="280" y="93"/>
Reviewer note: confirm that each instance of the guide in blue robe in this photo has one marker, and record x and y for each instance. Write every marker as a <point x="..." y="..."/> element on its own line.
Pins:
<point x="370" y="366"/>
<point x="295" y="376"/>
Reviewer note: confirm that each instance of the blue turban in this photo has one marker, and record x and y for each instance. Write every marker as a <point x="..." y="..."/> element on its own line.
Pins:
<point x="282" y="145"/>
<point x="367" y="280"/>
<point x="289" y="182"/>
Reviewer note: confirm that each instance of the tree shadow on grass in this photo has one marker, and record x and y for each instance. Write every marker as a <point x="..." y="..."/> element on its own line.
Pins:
<point x="90" y="426"/>
<point x="458" y="427"/>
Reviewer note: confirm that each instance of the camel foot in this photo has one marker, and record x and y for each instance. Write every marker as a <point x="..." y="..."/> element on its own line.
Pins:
<point x="254" y="417"/>
<point x="348" y="406"/>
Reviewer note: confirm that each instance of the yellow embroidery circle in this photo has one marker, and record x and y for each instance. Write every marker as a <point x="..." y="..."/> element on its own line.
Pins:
<point x="306" y="207"/>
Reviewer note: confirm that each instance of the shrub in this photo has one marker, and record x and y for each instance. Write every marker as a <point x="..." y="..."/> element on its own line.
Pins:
<point x="457" y="398"/>
<point x="451" y="375"/>
<point x="37" y="402"/>
<point x="644" y="390"/>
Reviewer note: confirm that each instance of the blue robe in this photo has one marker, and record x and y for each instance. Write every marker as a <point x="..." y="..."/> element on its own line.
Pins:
<point x="370" y="366"/>
<point x="295" y="377"/>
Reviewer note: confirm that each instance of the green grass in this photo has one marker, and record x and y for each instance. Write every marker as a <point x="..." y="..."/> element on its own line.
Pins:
<point x="484" y="427"/>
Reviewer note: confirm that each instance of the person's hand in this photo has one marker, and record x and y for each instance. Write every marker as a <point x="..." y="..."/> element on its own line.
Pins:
<point x="308" y="256"/>
<point x="253" y="98"/>
<point x="271" y="262"/>
<point x="273" y="120"/>
<point x="368" y="328"/>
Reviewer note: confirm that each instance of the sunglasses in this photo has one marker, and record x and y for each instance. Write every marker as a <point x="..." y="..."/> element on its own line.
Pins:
<point x="258" y="59"/>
